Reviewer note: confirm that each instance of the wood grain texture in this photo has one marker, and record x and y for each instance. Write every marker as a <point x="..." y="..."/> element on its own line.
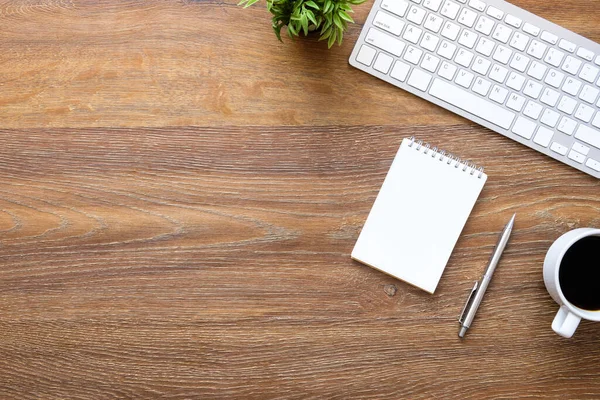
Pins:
<point x="179" y="196"/>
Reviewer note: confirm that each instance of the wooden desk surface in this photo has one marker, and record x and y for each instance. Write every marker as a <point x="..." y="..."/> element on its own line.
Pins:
<point x="180" y="193"/>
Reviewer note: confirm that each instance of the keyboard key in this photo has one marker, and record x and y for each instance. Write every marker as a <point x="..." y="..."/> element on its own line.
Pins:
<point x="581" y="148"/>
<point x="502" y="33"/>
<point x="524" y="127"/>
<point x="468" y="38"/>
<point x="430" y="62"/>
<point x="388" y="23"/>
<point x="588" y="135"/>
<point x="532" y="110"/>
<point x="515" y="102"/>
<point x="571" y="65"/>
<point x="450" y="31"/>
<point x="481" y="65"/>
<point x="543" y="136"/>
<point x="464" y="58"/>
<point x="566" y="105"/>
<point x="385" y="42"/>
<point x="429" y="42"/>
<point x="416" y="1"/>
<point x="549" y="97"/>
<point x="554" y="78"/>
<point x="498" y="73"/>
<point x="584" y="113"/>
<point x="433" y="5"/>
<point x="450" y="9"/>
<point x="559" y="148"/>
<point x="477" y="4"/>
<point x="447" y="70"/>
<point x="588" y="73"/>
<point x="484" y="25"/>
<point x="536" y="49"/>
<point x="519" y="41"/>
<point x="471" y="103"/>
<point x="419" y="79"/>
<point x="400" y="71"/>
<point x="597" y="60"/>
<point x="593" y="164"/>
<point x="366" y="55"/>
<point x="397" y="7"/>
<point x="467" y="17"/>
<point x="502" y="54"/>
<point x="571" y="86"/>
<point x="413" y="55"/>
<point x="519" y="62"/>
<point x="596" y="120"/>
<point x="585" y="54"/>
<point x="531" y="29"/>
<point x="485" y="46"/>
<point x="549" y="118"/>
<point x="481" y="86"/>
<point x="575" y="156"/>
<point x="433" y="22"/>
<point x="513" y="21"/>
<point x="532" y="89"/>
<point x="495" y="13"/>
<point x="498" y="94"/>
<point x="589" y="94"/>
<point x="464" y="78"/>
<point x="566" y="45"/>
<point x="416" y="15"/>
<point x="566" y="125"/>
<point x="554" y="57"/>
<point x="447" y="50"/>
<point x="412" y="34"/>
<point x="537" y="70"/>
<point x="548" y="37"/>
<point x="383" y="63"/>
<point x="515" y="81"/>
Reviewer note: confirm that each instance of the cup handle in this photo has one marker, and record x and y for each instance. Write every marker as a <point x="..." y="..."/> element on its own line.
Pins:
<point x="565" y="322"/>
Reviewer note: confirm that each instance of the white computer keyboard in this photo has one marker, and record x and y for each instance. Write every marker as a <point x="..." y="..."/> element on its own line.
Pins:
<point x="495" y="64"/>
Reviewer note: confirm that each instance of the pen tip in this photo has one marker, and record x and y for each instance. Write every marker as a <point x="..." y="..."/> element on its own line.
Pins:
<point x="461" y="333"/>
<point x="512" y="219"/>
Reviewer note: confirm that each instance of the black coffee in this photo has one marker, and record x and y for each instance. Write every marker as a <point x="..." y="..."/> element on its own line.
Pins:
<point x="579" y="274"/>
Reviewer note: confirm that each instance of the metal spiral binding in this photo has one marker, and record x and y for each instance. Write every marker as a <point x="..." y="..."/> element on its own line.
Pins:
<point x="450" y="158"/>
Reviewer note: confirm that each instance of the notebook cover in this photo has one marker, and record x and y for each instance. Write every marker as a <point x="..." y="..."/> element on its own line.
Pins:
<point x="418" y="215"/>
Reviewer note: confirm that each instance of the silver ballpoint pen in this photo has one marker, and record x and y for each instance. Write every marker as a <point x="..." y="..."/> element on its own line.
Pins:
<point x="476" y="295"/>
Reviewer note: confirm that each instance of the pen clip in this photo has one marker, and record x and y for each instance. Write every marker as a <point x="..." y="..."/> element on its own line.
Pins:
<point x="469" y="300"/>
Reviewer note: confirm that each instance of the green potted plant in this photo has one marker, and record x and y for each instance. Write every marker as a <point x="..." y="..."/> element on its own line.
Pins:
<point x="331" y="17"/>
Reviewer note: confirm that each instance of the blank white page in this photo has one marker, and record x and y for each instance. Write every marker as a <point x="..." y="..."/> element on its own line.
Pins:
<point x="418" y="215"/>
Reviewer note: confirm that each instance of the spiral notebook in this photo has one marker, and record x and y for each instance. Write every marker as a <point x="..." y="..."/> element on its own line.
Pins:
<point x="419" y="213"/>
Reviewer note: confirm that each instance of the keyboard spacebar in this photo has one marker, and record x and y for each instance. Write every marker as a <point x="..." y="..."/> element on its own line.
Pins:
<point x="472" y="103"/>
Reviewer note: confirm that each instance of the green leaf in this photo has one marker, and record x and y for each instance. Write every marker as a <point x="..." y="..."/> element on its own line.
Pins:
<point x="337" y="21"/>
<point x="331" y="39"/>
<point x="311" y="16"/>
<point x="277" y="29"/>
<point x="326" y="34"/>
<point x="326" y="25"/>
<point x="312" y="4"/>
<point x="304" y="22"/>
<point x="291" y="30"/>
<point x="247" y="3"/>
<point x="345" y="16"/>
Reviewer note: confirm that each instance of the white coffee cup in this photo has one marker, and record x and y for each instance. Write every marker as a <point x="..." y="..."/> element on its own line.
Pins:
<point x="567" y="319"/>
